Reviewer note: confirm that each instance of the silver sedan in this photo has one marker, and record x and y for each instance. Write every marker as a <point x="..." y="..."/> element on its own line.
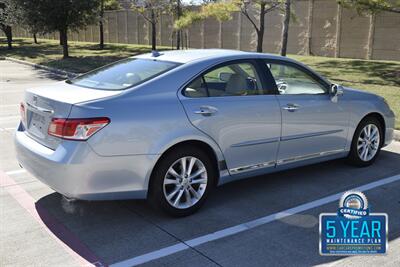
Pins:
<point x="170" y="126"/>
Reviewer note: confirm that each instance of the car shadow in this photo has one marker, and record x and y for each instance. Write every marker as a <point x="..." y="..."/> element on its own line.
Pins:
<point x="119" y="230"/>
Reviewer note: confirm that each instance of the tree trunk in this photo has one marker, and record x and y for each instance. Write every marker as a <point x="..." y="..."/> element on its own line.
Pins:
<point x="61" y="38"/>
<point x="8" y="32"/>
<point x="35" y="38"/>
<point x="178" y="15"/>
<point x="153" y="30"/>
<point x="285" y="29"/>
<point x="101" y="27"/>
<point x="260" y="32"/>
<point x="64" y="38"/>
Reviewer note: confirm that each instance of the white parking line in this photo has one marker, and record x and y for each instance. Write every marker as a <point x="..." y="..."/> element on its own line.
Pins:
<point x="9" y="118"/>
<point x="9" y="105"/>
<point x="245" y="226"/>
<point x="7" y="129"/>
<point x="15" y="172"/>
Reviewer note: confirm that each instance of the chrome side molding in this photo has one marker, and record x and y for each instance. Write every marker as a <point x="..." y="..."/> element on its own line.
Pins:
<point x="252" y="167"/>
<point x="309" y="156"/>
<point x="283" y="161"/>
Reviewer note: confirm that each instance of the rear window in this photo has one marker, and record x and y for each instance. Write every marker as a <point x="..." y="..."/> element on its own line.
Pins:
<point x="123" y="74"/>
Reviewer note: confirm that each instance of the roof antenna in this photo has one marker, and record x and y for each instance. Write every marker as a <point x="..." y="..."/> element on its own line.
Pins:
<point x="155" y="53"/>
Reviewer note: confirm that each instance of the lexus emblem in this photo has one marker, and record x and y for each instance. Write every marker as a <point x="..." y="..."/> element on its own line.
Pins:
<point x="34" y="100"/>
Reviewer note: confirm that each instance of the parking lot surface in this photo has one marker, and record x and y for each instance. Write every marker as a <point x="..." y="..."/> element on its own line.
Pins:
<point x="268" y="220"/>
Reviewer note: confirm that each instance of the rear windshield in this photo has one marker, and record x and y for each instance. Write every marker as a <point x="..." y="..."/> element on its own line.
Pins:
<point x="123" y="74"/>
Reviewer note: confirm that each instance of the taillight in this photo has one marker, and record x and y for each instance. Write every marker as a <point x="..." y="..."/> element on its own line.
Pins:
<point x="76" y="129"/>
<point x="22" y="112"/>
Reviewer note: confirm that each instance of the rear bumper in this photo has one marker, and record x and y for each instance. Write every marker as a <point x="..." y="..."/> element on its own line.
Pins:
<point x="76" y="171"/>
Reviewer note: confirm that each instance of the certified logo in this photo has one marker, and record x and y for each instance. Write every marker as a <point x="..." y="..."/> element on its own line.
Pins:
<point x="353" y="205"/>
<point x="353" y="229"/>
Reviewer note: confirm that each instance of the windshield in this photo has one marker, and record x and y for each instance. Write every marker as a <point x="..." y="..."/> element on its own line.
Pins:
<point x="123" y="74"/>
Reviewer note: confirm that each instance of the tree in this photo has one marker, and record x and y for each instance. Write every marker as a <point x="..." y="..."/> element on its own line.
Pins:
<point x="372" y="6"/>
<point x="285" y="28"/>
<point x="151" y="11"/>
<point x="105" y="5"/>
<point x="223" y="10"/>
<point x="64" y="16"/>
<point x="261" y="7"/>
<point x="219" y="10"/>
<point x="30" y="19"/>
<point x="10" y="15"/>
<point x="178" y="14"/>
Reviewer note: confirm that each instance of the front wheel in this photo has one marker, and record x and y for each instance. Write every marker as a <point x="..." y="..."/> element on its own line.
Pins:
<point x="181" y="181"/>
<point x="367" y="142"/>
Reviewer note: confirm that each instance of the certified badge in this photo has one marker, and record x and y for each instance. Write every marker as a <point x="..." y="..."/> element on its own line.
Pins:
<point x="353" y="229"/>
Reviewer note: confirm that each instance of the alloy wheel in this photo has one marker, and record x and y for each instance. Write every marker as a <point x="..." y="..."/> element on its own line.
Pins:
<point x="185" y="182"/>
<point x="368" y="142"/>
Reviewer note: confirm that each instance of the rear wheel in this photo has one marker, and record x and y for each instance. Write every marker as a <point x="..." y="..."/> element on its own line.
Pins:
<point x="181" y="181"/>
<point x="367" y="142"/>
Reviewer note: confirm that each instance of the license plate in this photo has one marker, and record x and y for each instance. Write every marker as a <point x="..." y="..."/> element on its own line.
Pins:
<point x="38" y="124"/>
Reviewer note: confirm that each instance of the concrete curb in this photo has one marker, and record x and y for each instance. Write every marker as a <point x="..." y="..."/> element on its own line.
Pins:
<point x="59" y="72"/>
<point x="396" y="135"/>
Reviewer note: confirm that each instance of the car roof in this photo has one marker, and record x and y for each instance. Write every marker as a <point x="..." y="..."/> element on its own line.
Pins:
<point x="189" y="55"/>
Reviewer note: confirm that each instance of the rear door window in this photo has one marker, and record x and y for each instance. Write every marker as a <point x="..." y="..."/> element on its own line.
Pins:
<point x="236" y="79"/>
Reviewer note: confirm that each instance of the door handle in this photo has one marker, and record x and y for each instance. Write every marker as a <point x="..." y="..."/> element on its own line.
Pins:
<point x="206" y="110"/>
<point x="291" y="107"/>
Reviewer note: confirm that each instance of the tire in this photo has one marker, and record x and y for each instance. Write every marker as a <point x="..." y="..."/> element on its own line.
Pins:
<point x="163" y="183"/>
<point x="361" y="140"/>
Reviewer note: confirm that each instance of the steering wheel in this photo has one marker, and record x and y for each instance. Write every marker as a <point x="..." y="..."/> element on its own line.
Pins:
<point x="282" y="86"/>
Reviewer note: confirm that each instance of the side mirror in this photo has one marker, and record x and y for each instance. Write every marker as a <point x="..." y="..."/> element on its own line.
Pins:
<point x="335" y="90"/>
<point x="224" y="76"/>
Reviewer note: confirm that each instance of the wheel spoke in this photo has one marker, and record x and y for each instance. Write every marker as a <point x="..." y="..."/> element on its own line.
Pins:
<point x="375" y="138"/>
<point x="171" y="181"/>
<point x="375" y="145"/>
<point x="197" y="173"/>
<point x="188" y="197"/>
<point x="191" y="164"/>
<point x="365" y="132"/>
<point x="183" y="167"/>
<point x="373" y="134"/>
<point x="360" y="146"/>
<point x="173" y="193"/>
<point x="174" y="173"/>
<point x="362" y="152"/>
<point x="178" y="197"/>
<point x="194" y="192"/>
<point x="199" y="181"/>
<point x="365" y="153"/>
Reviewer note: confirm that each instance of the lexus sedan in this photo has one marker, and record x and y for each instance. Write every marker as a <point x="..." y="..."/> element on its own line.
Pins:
<point x="170" y="126"/>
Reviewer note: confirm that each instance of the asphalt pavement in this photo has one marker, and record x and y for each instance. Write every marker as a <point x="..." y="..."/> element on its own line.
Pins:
<point x="270" y="220"/>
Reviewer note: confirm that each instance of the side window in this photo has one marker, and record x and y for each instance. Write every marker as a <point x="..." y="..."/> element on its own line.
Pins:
<point x="293" y="81"/>
<point x="197" y="88"/>
<point x="238" y="79"/>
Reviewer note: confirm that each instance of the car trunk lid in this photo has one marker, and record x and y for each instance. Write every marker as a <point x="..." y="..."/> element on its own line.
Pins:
<point x="54" y="101"/>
